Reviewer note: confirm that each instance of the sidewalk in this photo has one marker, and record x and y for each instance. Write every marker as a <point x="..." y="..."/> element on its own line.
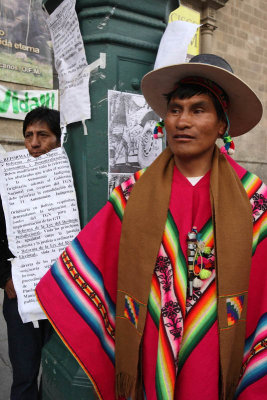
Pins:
<point x="5" y="368"/>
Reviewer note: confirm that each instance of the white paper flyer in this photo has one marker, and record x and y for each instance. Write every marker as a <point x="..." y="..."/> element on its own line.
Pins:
<point x="42" y="218"/>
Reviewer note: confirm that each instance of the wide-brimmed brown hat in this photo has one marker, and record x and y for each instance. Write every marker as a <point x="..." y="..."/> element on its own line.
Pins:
<point x="245" y="108"/>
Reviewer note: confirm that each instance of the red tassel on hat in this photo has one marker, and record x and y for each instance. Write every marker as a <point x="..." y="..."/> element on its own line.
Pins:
<point x="231" y="149"/>
<point x="158" y="130"/>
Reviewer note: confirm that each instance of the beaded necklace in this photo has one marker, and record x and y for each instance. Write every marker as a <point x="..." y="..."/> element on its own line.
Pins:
<point x="197" y="271"/>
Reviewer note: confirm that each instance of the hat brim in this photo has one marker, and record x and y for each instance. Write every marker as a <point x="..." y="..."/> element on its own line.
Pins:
<point x="245" y="109"/>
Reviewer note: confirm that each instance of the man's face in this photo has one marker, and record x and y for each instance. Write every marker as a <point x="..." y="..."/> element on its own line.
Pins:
<point x="192" y="127"/>
<point x="39" y="139"/>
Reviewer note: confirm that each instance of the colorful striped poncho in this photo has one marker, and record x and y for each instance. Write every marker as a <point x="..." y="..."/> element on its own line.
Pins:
<point x="180" y="346"/>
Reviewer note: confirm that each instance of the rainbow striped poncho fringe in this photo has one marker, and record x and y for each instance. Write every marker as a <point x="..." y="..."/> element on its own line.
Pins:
<point x="84" y="282"/>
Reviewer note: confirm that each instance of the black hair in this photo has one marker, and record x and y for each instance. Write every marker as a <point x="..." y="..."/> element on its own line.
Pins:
<point x="186" y="91"/>
<point x="44" y="114"/>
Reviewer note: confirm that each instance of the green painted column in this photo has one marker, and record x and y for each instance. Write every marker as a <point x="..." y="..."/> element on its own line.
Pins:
<point x="128" y="33"/>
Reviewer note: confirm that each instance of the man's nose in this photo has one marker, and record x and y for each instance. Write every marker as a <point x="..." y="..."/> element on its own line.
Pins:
<point x="183" y="120"/>
<point x="35" y="142"/>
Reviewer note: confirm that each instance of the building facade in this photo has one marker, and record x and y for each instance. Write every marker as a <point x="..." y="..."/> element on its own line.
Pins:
<point x="233" y="29"/>
<point x="25" y="65"/>
<point x="236" y="30"/>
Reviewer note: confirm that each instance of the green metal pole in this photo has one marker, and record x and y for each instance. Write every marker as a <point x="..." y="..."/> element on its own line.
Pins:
<point x="128" y="33"/>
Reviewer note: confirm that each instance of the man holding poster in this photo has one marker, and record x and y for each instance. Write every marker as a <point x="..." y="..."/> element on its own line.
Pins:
<point x="42" y="133"/>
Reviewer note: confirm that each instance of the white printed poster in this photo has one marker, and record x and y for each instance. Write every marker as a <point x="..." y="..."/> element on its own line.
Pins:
<point x="70" y="63"/>
<point x="42" y="218"/>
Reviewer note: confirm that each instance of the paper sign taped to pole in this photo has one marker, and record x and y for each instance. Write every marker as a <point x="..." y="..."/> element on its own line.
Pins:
<point x="187" y="14"/>
<point x="174" y="43"/>
<point x="70" y="63"/>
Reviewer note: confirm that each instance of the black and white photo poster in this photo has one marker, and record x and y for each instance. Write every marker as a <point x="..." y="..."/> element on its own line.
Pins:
<point x="131" y="125"/>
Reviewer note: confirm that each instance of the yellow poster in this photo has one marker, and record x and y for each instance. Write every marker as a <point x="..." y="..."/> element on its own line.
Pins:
<point x="183" y="13"/>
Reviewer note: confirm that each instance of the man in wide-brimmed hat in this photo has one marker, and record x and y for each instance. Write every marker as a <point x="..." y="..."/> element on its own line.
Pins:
<point x="176" y="257"/>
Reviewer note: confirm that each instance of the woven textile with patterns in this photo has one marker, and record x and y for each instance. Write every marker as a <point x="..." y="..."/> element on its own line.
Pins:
<point x="180" y="343"/>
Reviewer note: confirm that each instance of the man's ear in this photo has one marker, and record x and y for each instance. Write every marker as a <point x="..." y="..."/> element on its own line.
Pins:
<point x="222" y="128"/>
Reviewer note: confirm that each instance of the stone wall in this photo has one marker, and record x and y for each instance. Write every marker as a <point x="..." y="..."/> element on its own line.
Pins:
<point x="241" y="37"/>
<point x="237" y="31"/>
